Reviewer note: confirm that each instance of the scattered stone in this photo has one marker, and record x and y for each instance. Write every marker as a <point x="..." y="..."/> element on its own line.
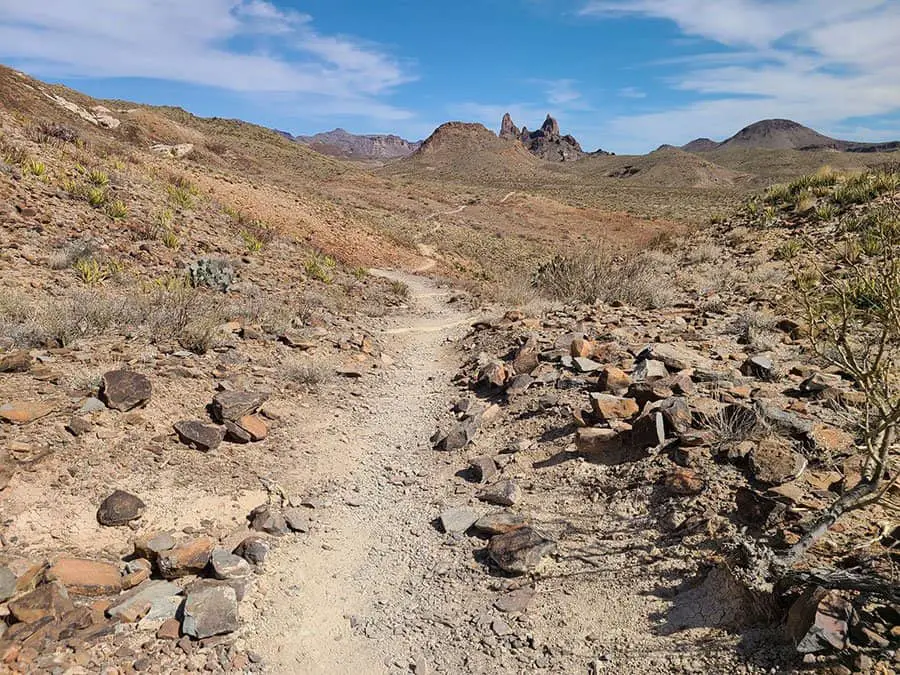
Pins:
<point x="227" y="565"/>
<point x="502" y="493"/>
<point x="298" y="340"/>
<point x="831" y="440"/>
<point x="684" y="482"/>
<point x="499" y="523"/>
<point x="124" y="390"/>
<point x="676" y="414"/>
<point x="759" y="366"/>
<point x="585" y="365"/>
<point x="648" y="370"/>
<point x="819" y="382"/>
<point x="210" y="610"/>
<point x="236" y="434"/>
<point x="152" y="545"/>
<point x="120" y="508"/>
<point x="819" y="621"/>
<point x="90" y="405"/>
<point x="614" y="380"/>
<point x="458" y="520"/>
<point x="86" y="577"/>
<point x="756" y="509"/>
<point x="609" y="407"/>
<point x="649" y="431"/>
<point x="78" y="426"/>
<point x="263" y="520"/>
<point x="16" y="362"/>
<point x="231" y="406"/>
<point x="677" y="357"/>
<point x="190" y="557"/>
<point x="24" y="412"/>
<point x="773" y="461"/>
<point x="297" y="520"/>
<point x="483" y="468"/>
<point x="515" y="602"/>
<point x="47" y="600"/>
<point x="7" y="583"/>
<point x="597" y="441"/>
<point x="520" y="551"/>
<point x="254" y="549"/>
<point x="204" y="437"/>
<point x="494" y="374"/>
<point x="460" y="436"/>
<point x="169" y="630"/>
<point x="254" y="426"/>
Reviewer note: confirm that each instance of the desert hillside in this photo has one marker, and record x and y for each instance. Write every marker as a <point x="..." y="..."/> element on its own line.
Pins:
<point x="486" y="406"/>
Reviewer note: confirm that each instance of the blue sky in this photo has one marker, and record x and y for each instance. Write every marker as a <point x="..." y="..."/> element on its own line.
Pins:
<point x="623" y="75"/>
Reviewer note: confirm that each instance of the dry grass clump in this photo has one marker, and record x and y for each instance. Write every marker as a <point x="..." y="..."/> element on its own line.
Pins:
<point x="310" y="375"/>
<point x="757" y="330"/>
<point x="633" y="279"/>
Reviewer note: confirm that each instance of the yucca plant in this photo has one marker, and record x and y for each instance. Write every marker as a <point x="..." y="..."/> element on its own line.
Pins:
<point x="90" y="271"/>
<point x="98" y="178"/>
<point x="117" y="210"/>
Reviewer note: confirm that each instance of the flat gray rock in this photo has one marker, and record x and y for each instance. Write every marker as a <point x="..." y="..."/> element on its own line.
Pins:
<point x="231" y="406"/>
<point x="210" y="610"/>
<point x="196" y="434"/>
<point x="7" y="583"/>
<point x="161" y="595"/>
<point x="458" y="520"/>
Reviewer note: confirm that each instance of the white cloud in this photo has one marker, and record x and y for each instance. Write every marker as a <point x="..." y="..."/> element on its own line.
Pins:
<point x="631" y="92"/>
<point x="820" y="62"/>
<point x="248" y="46"/>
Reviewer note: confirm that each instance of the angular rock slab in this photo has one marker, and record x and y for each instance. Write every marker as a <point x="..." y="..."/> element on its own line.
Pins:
<point x="210" y="610"/>
<point x="159" y="595"/>
<point x="204" y="437"/>
<point x="458" y="520"/>
<point x="503" y="493"/>
<point x="520" y="551"/>
<point x="500" y="523"/>
<point x="86" y="577"/>
<point x="120" y="508"/>
<point x="191" y="557"/>
<point x="819" y="620"/>
<point x="24" y="412"/>
<point x="48" y="600"/>
<point x="231" y="406"/>
<point x="125" y="390"/>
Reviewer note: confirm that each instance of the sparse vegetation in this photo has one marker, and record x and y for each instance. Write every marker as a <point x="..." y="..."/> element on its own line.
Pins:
<point x="213" y="273"/>
<point x="117" y="210"/>
<point x="320" y="267"/>
<point x="98" y="178"/>
<point x="603" y="277"/>
<point x="91" y="271"/>
<point x="170" y="239"/>
<point x="96" y="197"/>
<point x="35" y="168"/>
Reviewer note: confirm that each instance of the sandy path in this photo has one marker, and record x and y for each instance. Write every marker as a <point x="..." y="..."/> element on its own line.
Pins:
<point x="369" y="472"/>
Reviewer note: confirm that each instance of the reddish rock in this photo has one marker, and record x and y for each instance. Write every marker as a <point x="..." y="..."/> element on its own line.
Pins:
<point x="169" y="630"/>
<point x="255" y="427"/>
<point x="614" y="380"/>
<point x="596" y="441"/>
<point x="86" y="577"/>
<point x="581" y="348"/>
<point x="831" y="439"/>
<point x="23" y="412"/>
<point x="47" y="600"/>
<point x="190" y="557"/>
<point x="773" y="461"/>
<point x="609" y="407"/>
<point x="684" y="482"/>
<point x="819" y="620"/>
<point x="16" y="362"/>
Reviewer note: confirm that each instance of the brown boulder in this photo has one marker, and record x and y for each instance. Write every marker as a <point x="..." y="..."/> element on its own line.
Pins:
<point x="520" y="551"/>
<point x="125" y="390"/>
<point x="190" y="557"/>
<point x="609" y="407"/>
<point x="120" y="508"/>
<point x="24" y="412"/>
<point x="49" y="600"/>
<point x="204" y="437"/>
<point x="16" y="362"/>
<point x="614" y="380"/>
<point x="818" y="621"/>
<point x="86" y="577"/>
<point x="773" y="461"/>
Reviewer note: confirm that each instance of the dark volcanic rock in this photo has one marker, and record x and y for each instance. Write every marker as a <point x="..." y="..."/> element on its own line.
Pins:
<point x="507" y="128"/>
<point x="120" y="508"/>
<point x="124" y="390"/>
<point x="547" y="142"/>
<point x="210" y="610"/>
<point x="204" y="437"/>
<point x="231" y="406"/>
<point x="520" y="551"/>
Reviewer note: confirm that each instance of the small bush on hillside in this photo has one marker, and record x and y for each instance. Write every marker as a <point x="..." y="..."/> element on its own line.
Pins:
<point x="117" y="210"/>
<point x="96" y="197"/>
<point x="320" y="267"/>
<point x="98" y="178"/>
<point x="310" y="375"/>
<point x="35" y="168"/>
<point x="45" y="132"/>
<point x="604" y="277"/>
<point x="170" y="239"/>
<point x="213" y="273"/>
<point x="91" y="272"/>
<point x="400" y="290"/>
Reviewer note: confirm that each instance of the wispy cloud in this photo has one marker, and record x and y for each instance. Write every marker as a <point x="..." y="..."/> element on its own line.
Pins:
<point x="248" y="46"/>
<point x="631" y="92"/>
<point x="820" y="62"/>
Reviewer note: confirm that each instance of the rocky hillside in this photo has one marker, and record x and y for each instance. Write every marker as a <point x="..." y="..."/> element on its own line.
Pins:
<point x="780" y="134"/>
<point x="341" y="143"/>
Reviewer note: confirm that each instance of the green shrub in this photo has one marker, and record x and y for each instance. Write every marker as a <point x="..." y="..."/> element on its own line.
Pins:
<point x="98" y="178"/>
<point x="212" y="273"/>
<point x="96" y="197"/>
<point x="117" y="210"/>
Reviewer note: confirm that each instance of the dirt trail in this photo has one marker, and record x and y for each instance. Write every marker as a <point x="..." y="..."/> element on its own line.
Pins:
<point x="371" y="471"/>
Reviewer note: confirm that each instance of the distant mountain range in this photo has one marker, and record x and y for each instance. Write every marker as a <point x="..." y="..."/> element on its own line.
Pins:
<point x="341" y="143"/>
<point x="779" y="134"/>
<point x="547" y="142"/>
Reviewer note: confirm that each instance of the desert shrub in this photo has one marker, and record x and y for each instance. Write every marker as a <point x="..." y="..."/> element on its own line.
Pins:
<point x="35" y="168"/>
<point x="214" y="273"/>
<point x="12" y="153"/>
<point x="45" y="132"/>
<point x="117" y="210"/>
<point x="98" y="178"/>
<point x="170" y="239"/>
<point x="630" y="279"/>
<point x="702" y="253"/>
<point x="308" y="374"/>
<point x="252" y="243"/>
<point x="320" y="267"/>
<point x="400" y="290"/>
<point x="96" y="196"/>
<point x="788" y="249"/>
<point x="756" y="329"/>
<point x="80" y="249"/>
<point x="359" y="273"/>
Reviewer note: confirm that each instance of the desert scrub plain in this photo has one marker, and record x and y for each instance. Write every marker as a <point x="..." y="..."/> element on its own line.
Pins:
<point x="637" y="416"/>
